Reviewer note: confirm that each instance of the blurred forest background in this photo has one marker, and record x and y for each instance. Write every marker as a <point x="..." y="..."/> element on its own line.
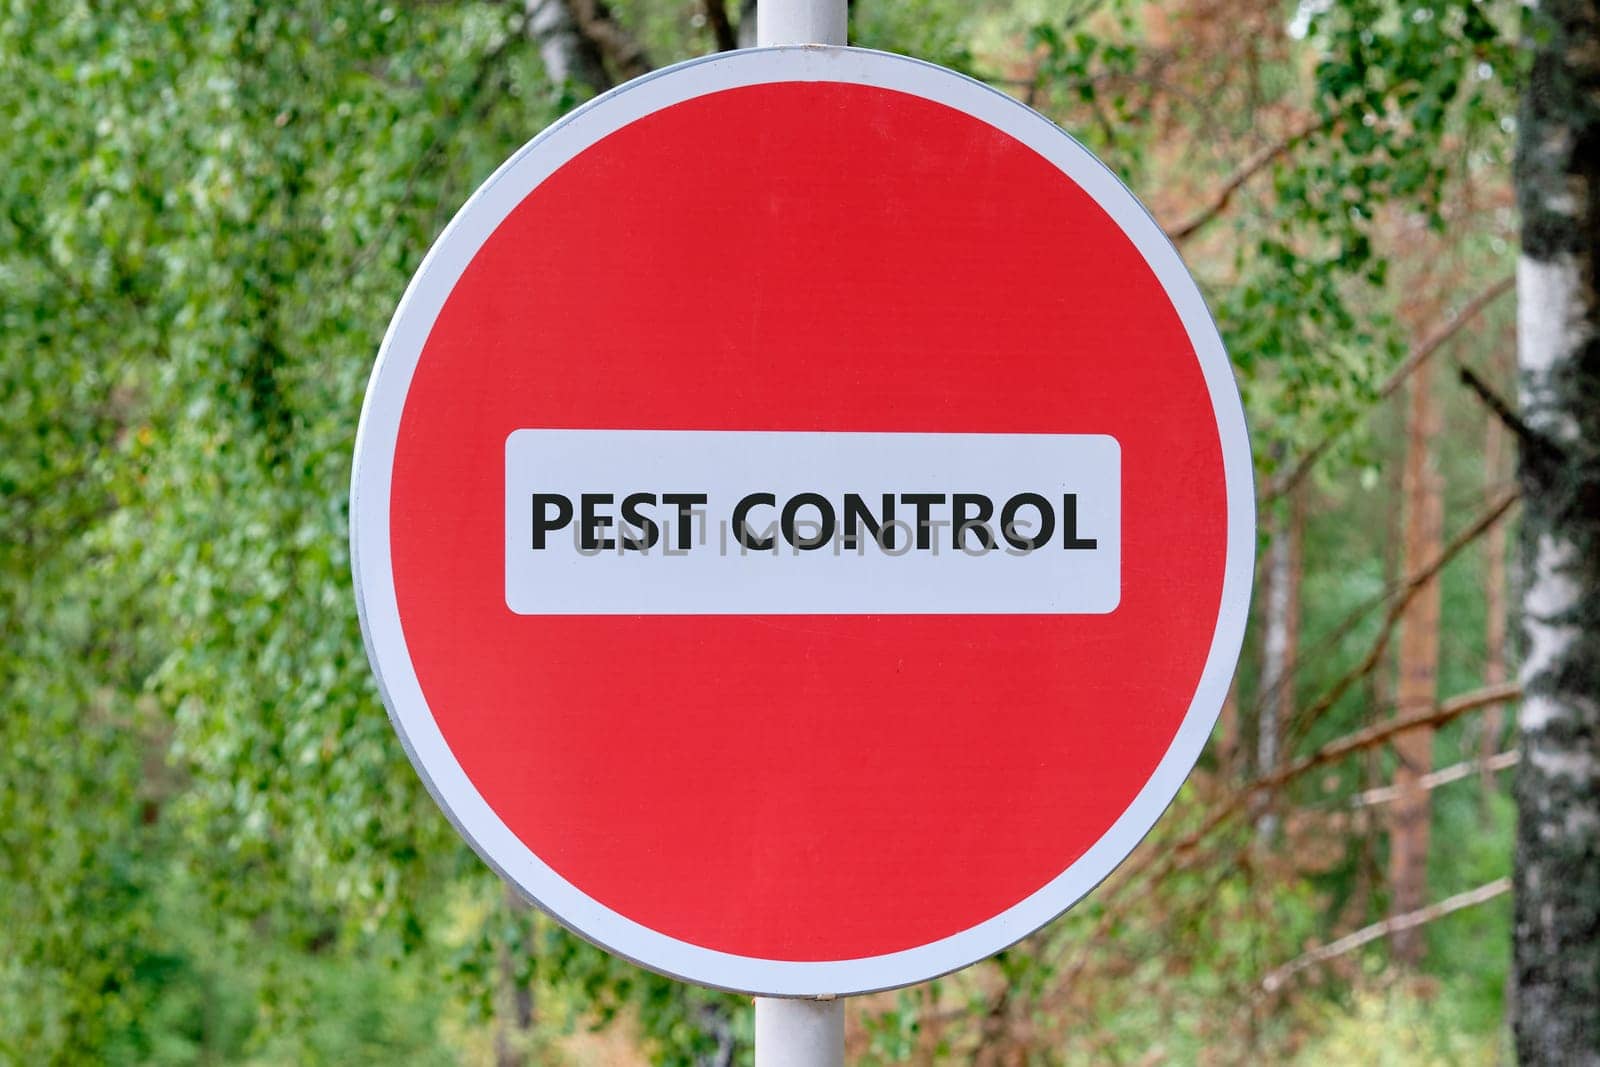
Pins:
<point x="212" y="848"/>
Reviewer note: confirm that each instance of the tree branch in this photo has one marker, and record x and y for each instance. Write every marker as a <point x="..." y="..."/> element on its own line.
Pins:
<point x="1408" y="366"/>
<point x="37" y="244"/>
<point x="466" y="106"/>
<point x="1154" y="865"/>
<point x="1384" y="730"/>
<point x="1543" y="452"/>
<point x="1453" y="773"/>
<point x="1409" y="589"/>
<point x="1275" y="978"/>
<point x="721" y="29"/>
<point x="1349" y="745"/>
<point x="622" y="52"/>
<point x="1250" y="168"/>
<point x="1380" y="732"/>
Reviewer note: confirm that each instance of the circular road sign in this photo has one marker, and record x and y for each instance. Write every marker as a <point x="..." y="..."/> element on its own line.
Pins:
<point x="802" y="521"/>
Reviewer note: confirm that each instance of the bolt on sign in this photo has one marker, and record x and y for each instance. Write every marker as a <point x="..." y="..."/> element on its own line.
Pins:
<point x="802" y="521"/>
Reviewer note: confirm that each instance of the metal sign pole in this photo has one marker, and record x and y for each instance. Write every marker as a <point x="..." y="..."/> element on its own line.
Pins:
<point x="800" y="22"/>
<point x="800" y="1033"/>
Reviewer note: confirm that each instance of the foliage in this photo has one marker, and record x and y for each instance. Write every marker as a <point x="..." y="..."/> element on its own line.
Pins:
<point x="1389" y="1028"/>
<point x="212" y="850"/>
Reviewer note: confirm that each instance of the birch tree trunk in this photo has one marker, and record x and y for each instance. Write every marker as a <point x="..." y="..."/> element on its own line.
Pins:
<point x="1277" y="654"/>
<point x="1556" y="952"/>
<point x="569" y="57"/>
<point x="1410" y="815"/>
<point x="747" y="24"/>
<point x="1228" y="734"/>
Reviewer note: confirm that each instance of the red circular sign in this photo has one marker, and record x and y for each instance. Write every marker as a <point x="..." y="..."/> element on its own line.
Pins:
<point x="800" y="242"/>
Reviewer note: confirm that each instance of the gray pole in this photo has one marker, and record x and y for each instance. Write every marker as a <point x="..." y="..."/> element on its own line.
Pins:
<point x="800" y="22"/>
<point x="799" y="1033"/>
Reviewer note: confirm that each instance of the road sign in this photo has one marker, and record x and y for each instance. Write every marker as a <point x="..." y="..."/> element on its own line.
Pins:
<point x="802" y="521"/>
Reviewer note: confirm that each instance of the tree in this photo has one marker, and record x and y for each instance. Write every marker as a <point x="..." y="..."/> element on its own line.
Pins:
<point x="1557" y="175"/>
<point x="1411" y="813"/>
<point x="211" y="846"/>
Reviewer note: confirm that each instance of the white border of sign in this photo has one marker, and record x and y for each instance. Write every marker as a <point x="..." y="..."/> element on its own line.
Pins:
<point x="374" y="461"/>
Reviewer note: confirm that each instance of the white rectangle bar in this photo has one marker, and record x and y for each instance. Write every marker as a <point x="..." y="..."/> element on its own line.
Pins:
<point x="715" y="522"/>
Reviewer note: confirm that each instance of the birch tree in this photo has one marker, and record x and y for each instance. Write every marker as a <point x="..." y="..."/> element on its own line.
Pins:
<point x="1557" y="867"/>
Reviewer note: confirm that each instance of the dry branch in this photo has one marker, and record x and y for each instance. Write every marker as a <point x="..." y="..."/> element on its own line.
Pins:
<point x="1444" y="776"/>
<point x="1152" y="865"/>
<point x="1348" y="745"/>
<point x="1496" y="510"/>
<point x="1380" y="732"/>
<point x="1343" y="629"/>
<point x="1275" y="978"/>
